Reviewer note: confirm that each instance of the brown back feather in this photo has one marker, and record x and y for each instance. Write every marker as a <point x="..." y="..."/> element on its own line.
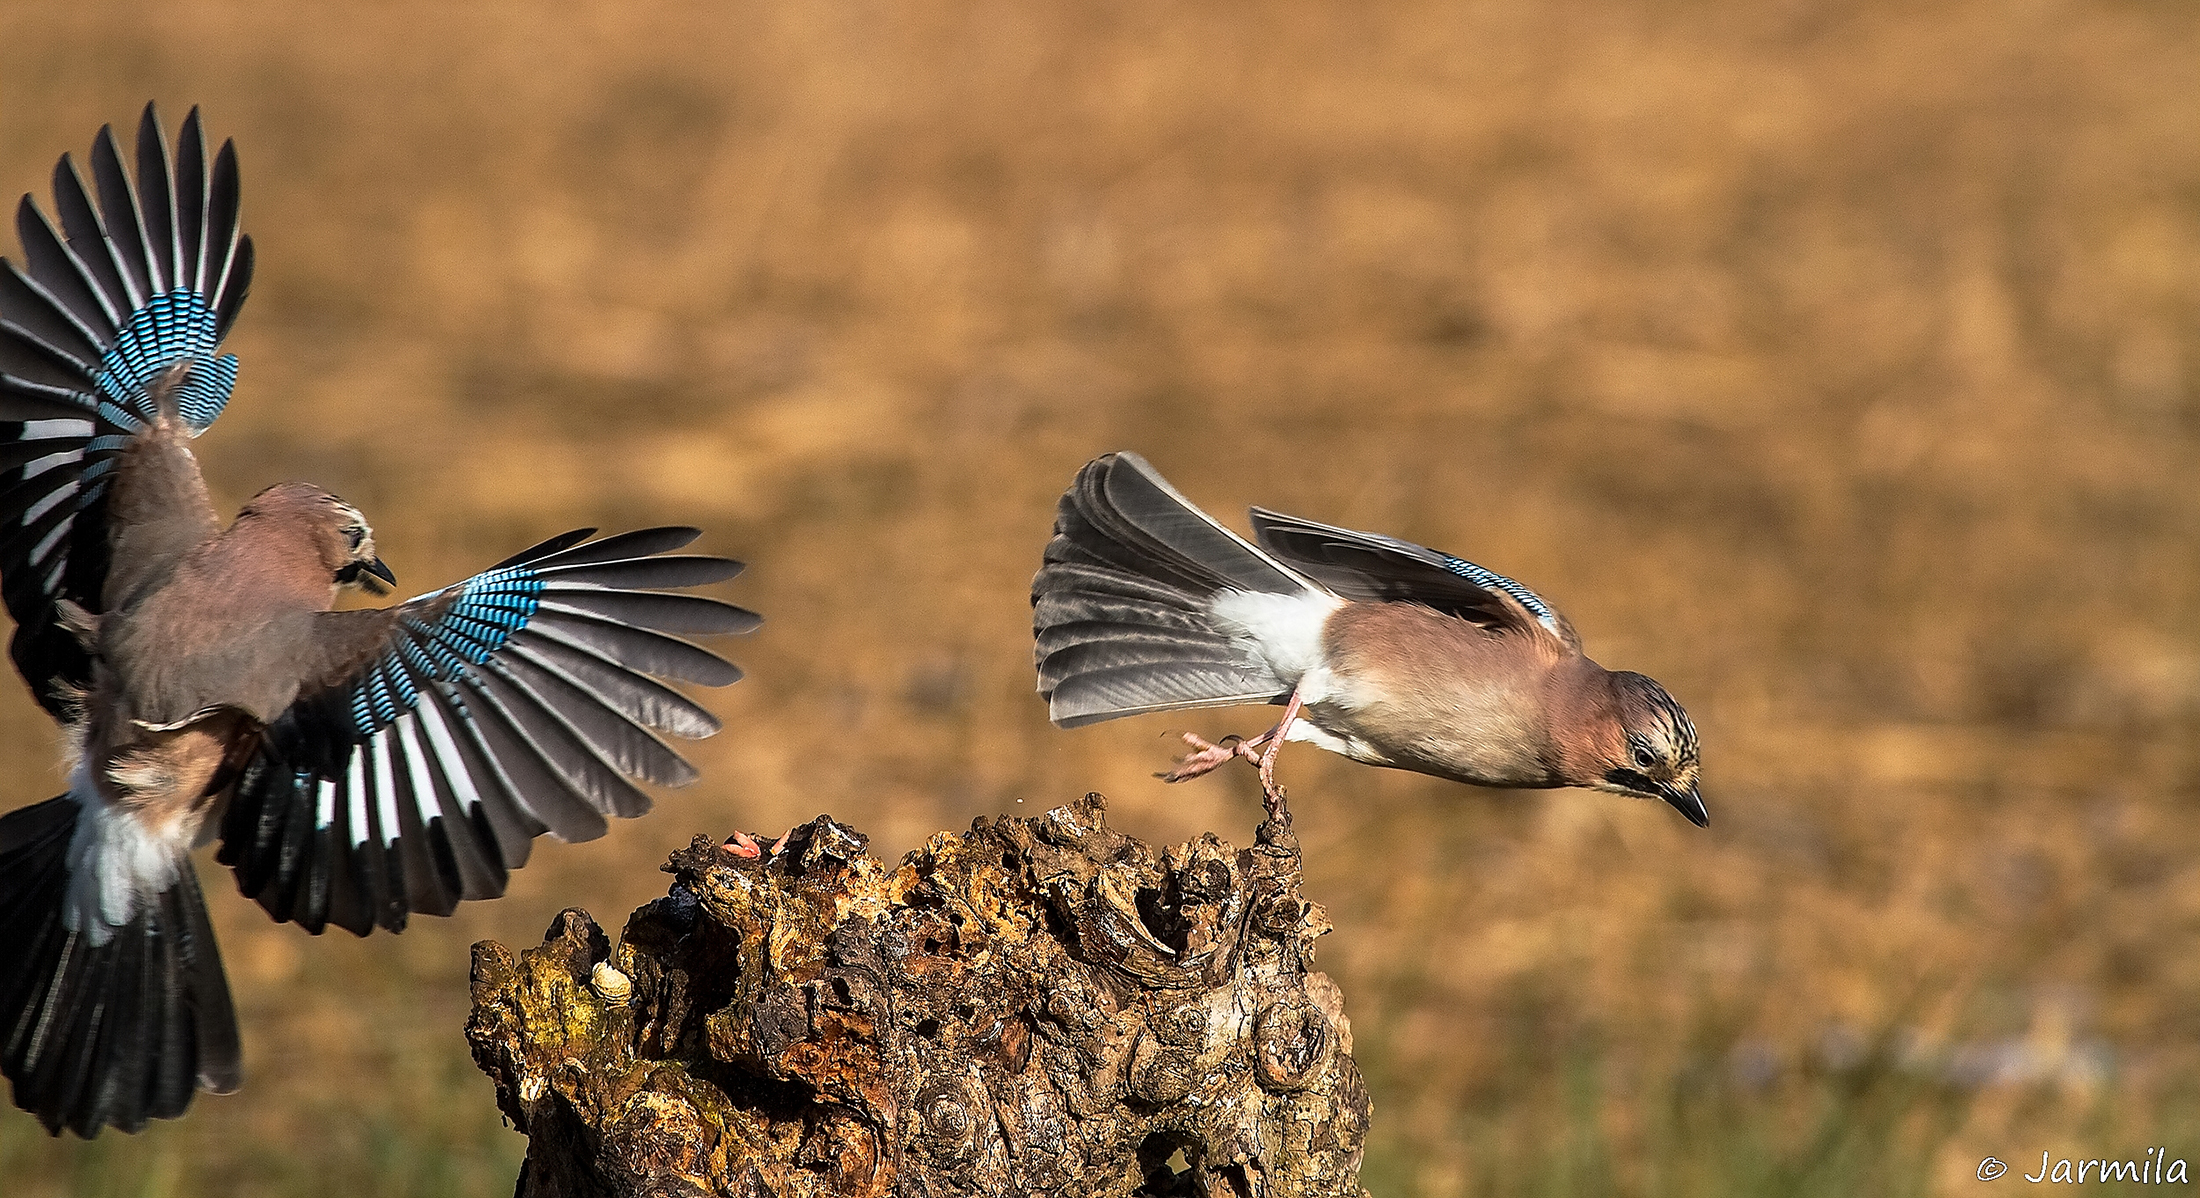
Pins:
<point x="157" y="512"/>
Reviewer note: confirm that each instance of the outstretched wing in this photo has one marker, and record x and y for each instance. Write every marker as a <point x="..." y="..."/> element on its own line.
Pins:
<point x="127" y="299"/>
<point x="1370" y="566"/>
<point x="449" y="731"/>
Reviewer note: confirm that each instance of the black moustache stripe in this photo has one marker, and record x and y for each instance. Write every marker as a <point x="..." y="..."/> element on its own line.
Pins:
<point x="1631" y="780"/>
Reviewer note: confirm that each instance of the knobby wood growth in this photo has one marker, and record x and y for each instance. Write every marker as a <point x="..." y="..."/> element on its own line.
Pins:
<point x="1036" y="1006"/>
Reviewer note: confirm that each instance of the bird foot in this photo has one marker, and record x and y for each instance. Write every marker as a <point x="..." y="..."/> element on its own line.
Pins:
<point x="741" y="844"/>
<point x="1206" y="757"/>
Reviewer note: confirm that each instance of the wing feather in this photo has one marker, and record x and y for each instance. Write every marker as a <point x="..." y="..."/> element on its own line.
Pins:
<point x="157" y="204"/>
<point x="58" y="276"/>
<point x="87" y="234"/>
<point x="451" y="730"/>
<point x="125" y="228"/>
<point x="112" y="314"/>
<point x="191" y="204"/>
<point x="1370" y="566"/>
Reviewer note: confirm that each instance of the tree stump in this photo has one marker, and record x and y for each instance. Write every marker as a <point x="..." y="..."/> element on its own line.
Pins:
<point x="1037" y="1006"/>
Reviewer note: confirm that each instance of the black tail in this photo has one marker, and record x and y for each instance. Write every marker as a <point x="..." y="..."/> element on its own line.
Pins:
<point x="1120" y="607"/>
<point x="115" y="1033"/>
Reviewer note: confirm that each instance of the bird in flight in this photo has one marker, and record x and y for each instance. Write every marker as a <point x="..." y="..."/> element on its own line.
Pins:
<point x="356" y="767"/>
<point x="1379" y="649"/>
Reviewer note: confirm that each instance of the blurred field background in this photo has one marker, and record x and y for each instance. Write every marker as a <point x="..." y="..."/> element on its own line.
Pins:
<point x="1832" y="361"/>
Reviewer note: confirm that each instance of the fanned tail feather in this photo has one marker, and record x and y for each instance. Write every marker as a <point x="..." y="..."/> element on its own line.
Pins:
<point x="1121" y="606"/>
<point x="97" y="1033"/>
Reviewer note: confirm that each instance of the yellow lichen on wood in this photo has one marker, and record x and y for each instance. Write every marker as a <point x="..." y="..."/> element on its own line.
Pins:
<point x="1034" y="1006"/>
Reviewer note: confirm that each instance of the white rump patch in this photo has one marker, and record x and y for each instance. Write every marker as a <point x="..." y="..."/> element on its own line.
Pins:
<point x="1279" y="633"/>
<point x="116" y="864"/>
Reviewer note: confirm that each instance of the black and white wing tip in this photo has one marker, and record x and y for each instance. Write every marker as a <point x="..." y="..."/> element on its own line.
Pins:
<point x="518" y="702"/>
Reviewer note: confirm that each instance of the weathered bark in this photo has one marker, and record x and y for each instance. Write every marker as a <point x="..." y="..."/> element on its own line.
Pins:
<point x="1037" y="1006"/>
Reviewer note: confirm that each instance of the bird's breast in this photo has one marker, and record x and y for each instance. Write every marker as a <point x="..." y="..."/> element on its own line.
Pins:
<point x="177" y="655"/>
<point x="1408" y="687"/>
<point x="1478" y="734"/>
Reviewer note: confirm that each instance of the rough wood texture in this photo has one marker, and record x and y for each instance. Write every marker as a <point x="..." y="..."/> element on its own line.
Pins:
<point x="1037" y="1006"/>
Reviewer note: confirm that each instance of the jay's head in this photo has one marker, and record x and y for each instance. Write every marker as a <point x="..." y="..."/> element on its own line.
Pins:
<point x="338" y="534"/>
<point x="1651" y="752"/>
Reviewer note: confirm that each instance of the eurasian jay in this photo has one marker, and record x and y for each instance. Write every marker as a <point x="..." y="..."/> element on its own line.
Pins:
<point x="1379" y="649"/>
<point x="356" y="766"/>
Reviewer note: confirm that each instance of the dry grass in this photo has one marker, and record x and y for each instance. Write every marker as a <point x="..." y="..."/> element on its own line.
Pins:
<point x="1834" y="362"/>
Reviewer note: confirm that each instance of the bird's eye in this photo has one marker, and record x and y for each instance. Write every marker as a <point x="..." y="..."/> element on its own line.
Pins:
<point x="355" y="534"/>
<point x="1644" y="758"/>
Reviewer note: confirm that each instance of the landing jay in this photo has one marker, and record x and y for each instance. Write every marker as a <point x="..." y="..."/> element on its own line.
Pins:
<point x="356" y="767"/>
<point x="1381" y="650"/>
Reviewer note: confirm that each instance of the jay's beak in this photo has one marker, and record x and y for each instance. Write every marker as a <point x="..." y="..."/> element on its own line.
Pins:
<point x="1687" y="802"/>
<point x="368" y="575"/>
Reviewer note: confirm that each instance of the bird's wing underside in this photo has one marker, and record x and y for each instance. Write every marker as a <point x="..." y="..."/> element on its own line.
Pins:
<point x="446" y="733"/>
<point x="127" y="297"/>
<point x="1370" y="566"/>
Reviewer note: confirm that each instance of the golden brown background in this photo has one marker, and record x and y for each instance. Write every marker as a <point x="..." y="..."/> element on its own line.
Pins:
<point x="1831" y="360"/>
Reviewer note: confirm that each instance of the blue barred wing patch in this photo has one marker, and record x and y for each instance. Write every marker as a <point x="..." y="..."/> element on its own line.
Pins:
<point x="1492" y="580"/>
<point x="174" y="330"/>
<point x="520" y="701"/>
<point x="481" y="616"/>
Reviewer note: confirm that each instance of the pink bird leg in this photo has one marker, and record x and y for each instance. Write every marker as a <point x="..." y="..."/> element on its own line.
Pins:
<point x="1207" y="757"/>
